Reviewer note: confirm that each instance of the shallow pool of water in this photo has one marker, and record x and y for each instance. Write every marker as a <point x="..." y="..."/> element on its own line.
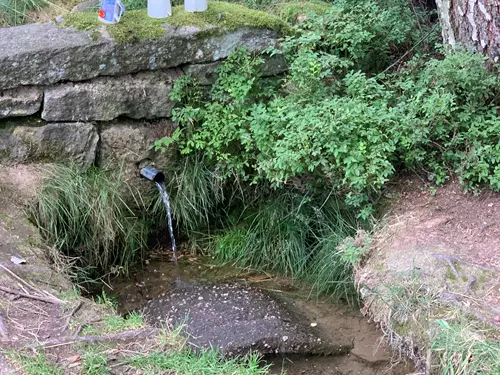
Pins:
<point x="369" y="355"/>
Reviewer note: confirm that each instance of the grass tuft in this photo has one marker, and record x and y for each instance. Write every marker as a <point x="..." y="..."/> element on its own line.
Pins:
<point x="94" y="361"/>
<point x="331" y="271"/>
<point x="86" y="215"/>
<point x="464" y="347"/>
<point x="14" y="12"/>
<point x="273" y="236"/>
<point x="37" y="364"/>
<point x="295" y="235"/>
<point x="194" y="191"/>
<point x="114" y="323"/>
<point x="207" y="363"/>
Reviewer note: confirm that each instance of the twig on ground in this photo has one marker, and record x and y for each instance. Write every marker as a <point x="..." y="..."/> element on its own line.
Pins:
<point x="77" y="331"/>
<point x="411" y="49"/>
<point x="125" y="335"/>
<point x="472" y="280"/>
<point x="31" y="296"/>
<point x="17" y="277"/>
<point x="70" y="315"/>
<point x="4" y="332"/>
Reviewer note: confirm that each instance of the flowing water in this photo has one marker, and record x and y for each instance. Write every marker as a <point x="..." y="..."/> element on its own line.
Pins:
<point x="166" y="202"/>
<point x="157" y="279"/>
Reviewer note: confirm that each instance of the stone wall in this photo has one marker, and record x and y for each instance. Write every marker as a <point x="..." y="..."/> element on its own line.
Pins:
<point x="67" y="95"/>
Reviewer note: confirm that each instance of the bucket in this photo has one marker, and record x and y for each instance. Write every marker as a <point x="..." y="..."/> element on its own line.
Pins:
<point x="111" y="11"/>
<point x="195" y="5"/>
<point x="159" y="8"/>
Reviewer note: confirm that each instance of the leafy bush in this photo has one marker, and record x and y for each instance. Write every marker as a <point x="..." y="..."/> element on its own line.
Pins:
<point x="439" y="118"/>
<point x="86" y="215"/>
<point x="336" y="124"/>
<point x="449" y="119"/>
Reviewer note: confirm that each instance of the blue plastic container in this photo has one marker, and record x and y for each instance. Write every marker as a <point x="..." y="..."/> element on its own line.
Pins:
<point x="111" y="11"/>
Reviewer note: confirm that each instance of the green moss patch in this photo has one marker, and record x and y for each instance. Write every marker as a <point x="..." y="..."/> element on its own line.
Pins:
<point x="137" y="25"/>
<point x="289" y="11"/>
<point x="227" y="17"/>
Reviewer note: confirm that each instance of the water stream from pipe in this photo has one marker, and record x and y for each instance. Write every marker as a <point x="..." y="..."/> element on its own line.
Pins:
<point x="166" y="202"/>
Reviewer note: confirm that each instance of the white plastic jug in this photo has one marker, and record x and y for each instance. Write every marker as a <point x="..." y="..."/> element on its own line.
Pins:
<point x="195" y="5"/>
<point x="159" y="8"/>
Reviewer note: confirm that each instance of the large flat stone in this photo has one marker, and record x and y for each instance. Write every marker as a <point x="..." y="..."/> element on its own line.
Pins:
<point x="22" y="101"/>
<point x="62" y="142"/>
<point x="237" y="320"/>
<point x="42" y="54"/>
<point x="127" y="143"/>
<point x="142" y="95"/>
<point x="206" y="74"/>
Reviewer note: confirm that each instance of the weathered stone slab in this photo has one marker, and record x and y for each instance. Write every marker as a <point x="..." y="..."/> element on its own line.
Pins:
<point x="63" y="142"/>
<point x="236" y="320"/>
<point x="42" y="54"/>
<point x="128" y="143"/>
<point x="205" y="73"/>
<point x="142" y="95"/>
<point x="22" y="101"/>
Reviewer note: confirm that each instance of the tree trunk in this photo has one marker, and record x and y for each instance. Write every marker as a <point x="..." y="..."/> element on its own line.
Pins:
<point x="473" y="23"/>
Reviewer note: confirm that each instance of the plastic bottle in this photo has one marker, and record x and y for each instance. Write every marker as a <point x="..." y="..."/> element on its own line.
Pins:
<point x="195" y="5"/>
<point x="159" y="8"/>
<point x="110" y="11"/>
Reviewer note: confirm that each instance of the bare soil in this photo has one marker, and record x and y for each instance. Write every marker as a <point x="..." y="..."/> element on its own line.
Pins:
<point x="449" y="218"/>
<point x="450" y="240"/>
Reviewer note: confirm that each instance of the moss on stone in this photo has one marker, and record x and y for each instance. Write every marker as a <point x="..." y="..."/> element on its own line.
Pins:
<point x="137" y="25"/>
<point x="81" y="21"/>
<point x="227" y="17"/>
<point x="289" y="11"/>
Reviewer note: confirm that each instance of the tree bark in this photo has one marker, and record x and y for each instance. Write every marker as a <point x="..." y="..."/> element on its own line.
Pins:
<point x="472" y="23"/>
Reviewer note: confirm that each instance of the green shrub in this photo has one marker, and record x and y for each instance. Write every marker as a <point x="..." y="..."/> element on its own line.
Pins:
<point x="337" y="124"/>
<point x="92" y="216"/>
<point x="449" y="120"/>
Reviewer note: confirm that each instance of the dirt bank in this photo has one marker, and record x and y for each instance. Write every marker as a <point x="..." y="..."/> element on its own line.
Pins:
<point x="434" y="258"/>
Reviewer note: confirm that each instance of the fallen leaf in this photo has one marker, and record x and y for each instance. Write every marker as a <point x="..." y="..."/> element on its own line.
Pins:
<point x="73" y="358"/>
<point x="258" y="278"/>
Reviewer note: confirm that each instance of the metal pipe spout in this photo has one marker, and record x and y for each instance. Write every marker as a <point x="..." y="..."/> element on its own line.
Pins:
<point x="152" y="174"/>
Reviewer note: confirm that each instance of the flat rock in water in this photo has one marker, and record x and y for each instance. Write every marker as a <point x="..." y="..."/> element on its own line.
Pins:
<point x="236" y="320"/>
